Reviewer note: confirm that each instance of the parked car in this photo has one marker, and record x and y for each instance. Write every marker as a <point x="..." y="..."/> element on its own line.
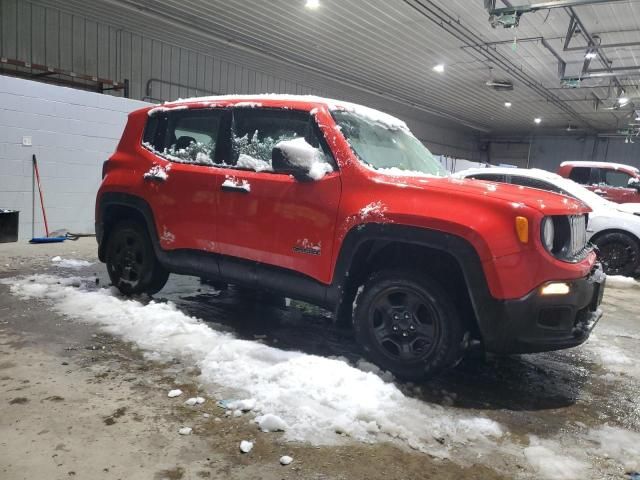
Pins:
<point x="613" y="181"/>
<point x="612" y="227"/>
<point x="341" y="206"/>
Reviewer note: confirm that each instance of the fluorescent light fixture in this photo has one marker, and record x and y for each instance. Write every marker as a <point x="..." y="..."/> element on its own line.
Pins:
<point x="507" y="104"/>
<point x="556" y="288"/>
<point x="439" y="68"/>
<point x="537" y="120"/>
<point x="590" y="55"/>
<point x="312" y="4"/>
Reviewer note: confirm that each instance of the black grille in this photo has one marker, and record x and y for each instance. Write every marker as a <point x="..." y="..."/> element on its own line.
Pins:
<point x="578" y="237"/>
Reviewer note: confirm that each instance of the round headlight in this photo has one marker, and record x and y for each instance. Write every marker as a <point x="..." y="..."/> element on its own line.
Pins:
<point x="548" y="233"/>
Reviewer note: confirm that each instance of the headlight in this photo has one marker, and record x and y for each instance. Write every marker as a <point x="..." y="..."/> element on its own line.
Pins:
<point x="548" y="233"/>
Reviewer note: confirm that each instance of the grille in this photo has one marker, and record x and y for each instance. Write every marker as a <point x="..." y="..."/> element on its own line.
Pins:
<point x="578" y="238"/>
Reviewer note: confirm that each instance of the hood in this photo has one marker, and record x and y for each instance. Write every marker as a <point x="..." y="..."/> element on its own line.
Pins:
<point x="547" y="203"/>
<point x="629" y="208"/>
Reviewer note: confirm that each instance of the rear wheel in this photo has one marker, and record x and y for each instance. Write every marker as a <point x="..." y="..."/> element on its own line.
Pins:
<point x="619" y="253"/>
<point x="407" y="324"/>
<point x="131" y="261"/>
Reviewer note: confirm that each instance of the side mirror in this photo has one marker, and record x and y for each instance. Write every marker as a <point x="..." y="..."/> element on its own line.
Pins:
<point x="634" y="183"/>
<point x="284" y="161"/>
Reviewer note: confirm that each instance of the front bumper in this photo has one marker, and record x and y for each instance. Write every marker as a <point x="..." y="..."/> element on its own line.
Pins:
<point x="540" y="323"/>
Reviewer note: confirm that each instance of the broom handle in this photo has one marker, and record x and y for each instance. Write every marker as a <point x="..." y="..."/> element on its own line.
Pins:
<point x="44" y="214"/>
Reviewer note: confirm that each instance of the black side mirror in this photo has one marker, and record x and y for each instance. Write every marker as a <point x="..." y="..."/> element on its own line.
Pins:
<point x="281" y="162"/>
<point x="634" y="183"/>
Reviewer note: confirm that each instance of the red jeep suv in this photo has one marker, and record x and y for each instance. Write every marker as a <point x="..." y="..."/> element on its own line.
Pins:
<point x="613" y="181"/>
<point x="341" y="206"/>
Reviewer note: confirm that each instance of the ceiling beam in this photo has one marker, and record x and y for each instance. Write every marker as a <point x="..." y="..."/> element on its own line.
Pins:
<point x="601" y="46"/>
<point x="545" y="6"/>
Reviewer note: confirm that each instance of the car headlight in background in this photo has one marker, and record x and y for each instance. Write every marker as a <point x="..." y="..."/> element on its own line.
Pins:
<point x="548" y="233"/>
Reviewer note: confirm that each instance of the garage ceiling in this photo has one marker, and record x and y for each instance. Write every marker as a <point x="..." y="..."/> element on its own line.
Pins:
<point x="390" y="48"/>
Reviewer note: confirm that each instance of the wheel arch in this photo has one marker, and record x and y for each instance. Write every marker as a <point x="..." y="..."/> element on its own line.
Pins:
<point x="607" y="231"/>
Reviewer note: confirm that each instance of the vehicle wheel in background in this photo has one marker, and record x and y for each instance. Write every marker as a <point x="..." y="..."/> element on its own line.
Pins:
<point x="619" y="253"/>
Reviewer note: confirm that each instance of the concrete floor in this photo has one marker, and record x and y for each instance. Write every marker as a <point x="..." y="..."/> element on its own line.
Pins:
<point x="77" y="402"/>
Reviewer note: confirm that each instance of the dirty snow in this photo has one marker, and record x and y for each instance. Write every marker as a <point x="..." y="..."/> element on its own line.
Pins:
<point x="285" y="460"/>
<point x="70" y="263"/>
<point x="312" y="159"/>
<point x="271" y="423"/>
<point x="242" y="405"/>
<point x="174" y="393"/>
<point x="316" y="397"/>
<point x="185" y="431"/>
<point x="543" y="456"/>
<point x="621" y="445"/>
<point x="246" y="446"/>
<point x="194" y="401"/>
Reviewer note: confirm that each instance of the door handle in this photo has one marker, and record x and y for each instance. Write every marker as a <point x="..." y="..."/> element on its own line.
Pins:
<point x="234" y="188"/>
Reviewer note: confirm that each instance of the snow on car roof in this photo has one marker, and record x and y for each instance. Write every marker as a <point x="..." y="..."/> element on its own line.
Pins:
<point x="254" y="101"/>
<point x="582" y="163"/>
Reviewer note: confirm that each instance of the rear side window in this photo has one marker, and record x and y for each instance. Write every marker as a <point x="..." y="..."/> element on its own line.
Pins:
<point x="185" y="136"/>
<point x="256" y="131"/>
<point x="581" y="175"/>
<point x="489" y="177"/>
<point x="534" y="183"/>
<point x="615" y="178"/>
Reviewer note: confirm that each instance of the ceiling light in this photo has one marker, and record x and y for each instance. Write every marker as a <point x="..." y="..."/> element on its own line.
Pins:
<point x="312" y="4"/>
<point x="590" y="55"/>
<point x="507" y="104"/>
<point x="537" y="120"/>
<point x="439" y="68"/>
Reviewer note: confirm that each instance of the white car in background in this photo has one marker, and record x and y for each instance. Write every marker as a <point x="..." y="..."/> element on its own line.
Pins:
<point x="613" y="228"/>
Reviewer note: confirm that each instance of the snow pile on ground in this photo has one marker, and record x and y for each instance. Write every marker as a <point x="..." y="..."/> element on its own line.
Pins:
<point x="618" y="281"/>
<point x="316" y="397"/>
<point x="618" y="444"/>
<point x="300" y="153"/>
<point x="549" y="464"/>
<point x="70" y="263"/>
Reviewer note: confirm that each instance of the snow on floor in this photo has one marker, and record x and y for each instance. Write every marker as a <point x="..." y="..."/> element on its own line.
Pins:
<point x="549" y="463"/>
<point x="320" y="400"/>
<point x="618" y="281"/>
<point x="71" y="263"/>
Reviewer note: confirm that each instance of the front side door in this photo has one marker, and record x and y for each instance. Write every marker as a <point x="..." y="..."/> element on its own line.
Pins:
<point x="182" y="148"/>
<point x="272" y="218"/>
<point x="616" y="183"/>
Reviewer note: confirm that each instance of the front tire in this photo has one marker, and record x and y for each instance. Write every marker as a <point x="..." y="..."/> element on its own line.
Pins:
<point x="619" y="253"/>
<point x="407" y="324"/>
<point x="131" y="262"/>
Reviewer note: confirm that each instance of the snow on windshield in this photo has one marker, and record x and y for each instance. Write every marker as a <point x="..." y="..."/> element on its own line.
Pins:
<point x="388" y="148"/>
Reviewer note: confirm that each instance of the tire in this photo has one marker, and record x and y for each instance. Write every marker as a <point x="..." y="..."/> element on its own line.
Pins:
<point x="619" y="253"/>
<point x="131" y="262"/>
<point x="407" y="324"/>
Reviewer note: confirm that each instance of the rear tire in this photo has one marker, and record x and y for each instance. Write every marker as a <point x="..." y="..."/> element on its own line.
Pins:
<point x="131" y="262"/>
<point x="407" y="324"/>
<point x="619" y="253"/>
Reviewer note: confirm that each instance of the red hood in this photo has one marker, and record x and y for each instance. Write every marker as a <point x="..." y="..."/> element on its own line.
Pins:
<point x="547" y="203"/>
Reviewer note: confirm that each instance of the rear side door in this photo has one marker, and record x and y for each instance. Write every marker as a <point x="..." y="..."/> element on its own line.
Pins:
<point x="180" y="178"/>
<point x="616" y="184"/>
<point x="272" y="218"/>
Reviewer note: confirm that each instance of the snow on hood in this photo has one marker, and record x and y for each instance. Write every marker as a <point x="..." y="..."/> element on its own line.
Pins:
<point x="629" y="207"/>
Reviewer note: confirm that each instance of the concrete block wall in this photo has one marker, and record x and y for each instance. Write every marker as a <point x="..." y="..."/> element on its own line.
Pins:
<point x="72" y="132"/>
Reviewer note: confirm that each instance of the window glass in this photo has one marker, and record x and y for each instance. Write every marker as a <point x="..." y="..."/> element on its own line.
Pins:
<point x="616" y="178"/>
<point x="256" y="131"/>
<point x="489" y="177"/>
<point x="386" y="147"/>
<point x="190" y="136"/>
<point x="581" y="175"/>
<point x="534" y="183"/>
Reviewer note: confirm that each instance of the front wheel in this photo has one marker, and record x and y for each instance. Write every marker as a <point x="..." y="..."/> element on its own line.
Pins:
<point x="407" y="324"/>
<point x="619" y="253"/>
<point x="131" y="261"/>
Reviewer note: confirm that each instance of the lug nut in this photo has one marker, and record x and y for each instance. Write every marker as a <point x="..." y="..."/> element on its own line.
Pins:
<point x="395" y="328"/>
<point x="407" y="316"/>
<point x="412" y="327"/>
<point x="404" y="334"/>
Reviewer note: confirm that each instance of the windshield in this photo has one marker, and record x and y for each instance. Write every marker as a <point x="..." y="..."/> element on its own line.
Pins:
<point x="387" y="148"/>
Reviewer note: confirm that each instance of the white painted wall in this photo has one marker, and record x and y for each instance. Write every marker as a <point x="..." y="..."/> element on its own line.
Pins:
<point x="72" y="132"/>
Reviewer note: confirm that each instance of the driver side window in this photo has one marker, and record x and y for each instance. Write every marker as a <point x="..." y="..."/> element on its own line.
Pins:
<point x="616" y="178"/>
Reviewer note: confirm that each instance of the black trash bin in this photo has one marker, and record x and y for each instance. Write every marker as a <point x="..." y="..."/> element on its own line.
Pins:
<point x="8" y="225"/>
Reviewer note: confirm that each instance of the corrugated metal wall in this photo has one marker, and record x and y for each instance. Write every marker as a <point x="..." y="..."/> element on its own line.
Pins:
<point x="156" y="70"/>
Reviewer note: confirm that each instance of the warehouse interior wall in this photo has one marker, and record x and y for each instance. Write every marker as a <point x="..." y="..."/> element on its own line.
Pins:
<point x="548" y="152"/>
<point x="72" y="133"/>
<point x="43" y="32"/>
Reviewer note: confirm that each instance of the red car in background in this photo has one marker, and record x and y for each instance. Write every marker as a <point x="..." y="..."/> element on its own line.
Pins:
<point x="613" y="181"/>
